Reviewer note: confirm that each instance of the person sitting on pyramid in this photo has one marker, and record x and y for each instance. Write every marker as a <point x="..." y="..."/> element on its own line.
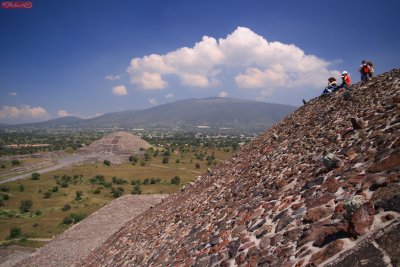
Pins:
<point x="332" y="86"/>
<point x="346" y="81"/>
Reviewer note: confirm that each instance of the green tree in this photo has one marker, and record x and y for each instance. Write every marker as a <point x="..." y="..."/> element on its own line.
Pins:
<point x="4" y="189"/>
<point x="176" y="180"/>
<point x="106" y="162"/>
<point x="35" y="176"/>
<point x="147" y="156"/>
<point x="15" y="162"/>
<point x="21" y="187"/>
<point x="15" y="232"/>
<point x="26" y="205"/>
<point x="117" y="192"/>
<point x="136" y="190"/>
<point x="197" y="165"/>
<point x="66" y="207"/>
<point x="133" y="159"/>
<point x="146" y="181"/>
<point x="78" y="195"/>
<point x="165" y="160"/>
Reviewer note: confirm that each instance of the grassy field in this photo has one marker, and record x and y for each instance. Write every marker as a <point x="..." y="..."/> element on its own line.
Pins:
<point x="49" y="221"/>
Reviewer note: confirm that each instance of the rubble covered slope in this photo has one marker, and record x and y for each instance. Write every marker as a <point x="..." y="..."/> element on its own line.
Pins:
<point x="319" y="188"/>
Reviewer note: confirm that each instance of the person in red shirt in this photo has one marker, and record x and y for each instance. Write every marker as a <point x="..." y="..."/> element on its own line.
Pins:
<point x="346" y="81"/>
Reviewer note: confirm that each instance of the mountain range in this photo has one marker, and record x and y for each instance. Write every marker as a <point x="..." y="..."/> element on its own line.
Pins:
<point x="214" y="112"/>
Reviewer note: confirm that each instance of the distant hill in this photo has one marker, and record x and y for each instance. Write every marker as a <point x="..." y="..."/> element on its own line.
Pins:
<point x="60" y="122"/>
<point x="214" y="112"/>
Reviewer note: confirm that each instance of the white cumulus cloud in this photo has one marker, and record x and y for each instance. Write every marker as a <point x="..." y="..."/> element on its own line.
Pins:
<point x="248" y="59"/>
<point x="153" y="101"/>
<point x="223" y="94"/>
<point x="22" y="112"/>
<point x="119" y="90"/>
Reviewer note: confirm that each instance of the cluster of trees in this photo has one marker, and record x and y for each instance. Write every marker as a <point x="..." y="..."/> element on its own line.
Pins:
<point x="66" y="180"/>
<point x="12" y="163"/>
<point x="73" y="218"/>
<point x="58" y="139"/>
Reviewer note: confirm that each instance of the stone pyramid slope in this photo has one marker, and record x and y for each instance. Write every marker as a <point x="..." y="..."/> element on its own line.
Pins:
<point x="78" y="241"/>
<point x="120" y="143"/>
<point x="320" y="187"/>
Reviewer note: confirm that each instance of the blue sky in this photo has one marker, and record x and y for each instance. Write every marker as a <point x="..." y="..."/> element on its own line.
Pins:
<point x="91" y="57"/>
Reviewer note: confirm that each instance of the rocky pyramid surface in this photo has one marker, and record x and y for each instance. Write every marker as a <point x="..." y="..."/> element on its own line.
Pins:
<point x="119" y="143"/>
<point x="319" y="188"/>
<point x="77" y="242"/>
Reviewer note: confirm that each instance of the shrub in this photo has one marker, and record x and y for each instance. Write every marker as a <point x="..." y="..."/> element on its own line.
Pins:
<point x="133" y="159"/>
<point x="176" y="180"/>
<point x="78" y="195"/>
<point x="15" y="162"/>
<point x="6" y="197"/>
<point x="147" y="156"/>
<point x="106" y="162"/>
<point x="26" y="205"/>
<point x="178" y="161"/>
<point x="74" y="218"/>
<point x="96" y="191"/>
<point x="117" y="192"/>
<point x="21" y="188"/>
<point x="55" y="189"/>
<point x="77" y="217"/>
<point x="1" y="203"/>
<point x="142" y="163"/>
<point x="136" y="190"/>
<point x="38" y="213"/>
<point x="136" y="182"/>
<point x="98" y="179"/>
<point x="5" y="189"/>
<point x="146" y="181"/>
<point x="165" y="160"/>
<point x="116" y="180"/>
<point x="35" y="176"/>
<point x="47" y="194"/>
<point x="66" y="207"/>
<point x="15" y="232"/>
<point x="68" y="220"/>
<point x="197" y="165"/>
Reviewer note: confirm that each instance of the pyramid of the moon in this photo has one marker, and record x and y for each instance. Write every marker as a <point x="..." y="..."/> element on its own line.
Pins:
<point x="120" y="143"/>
